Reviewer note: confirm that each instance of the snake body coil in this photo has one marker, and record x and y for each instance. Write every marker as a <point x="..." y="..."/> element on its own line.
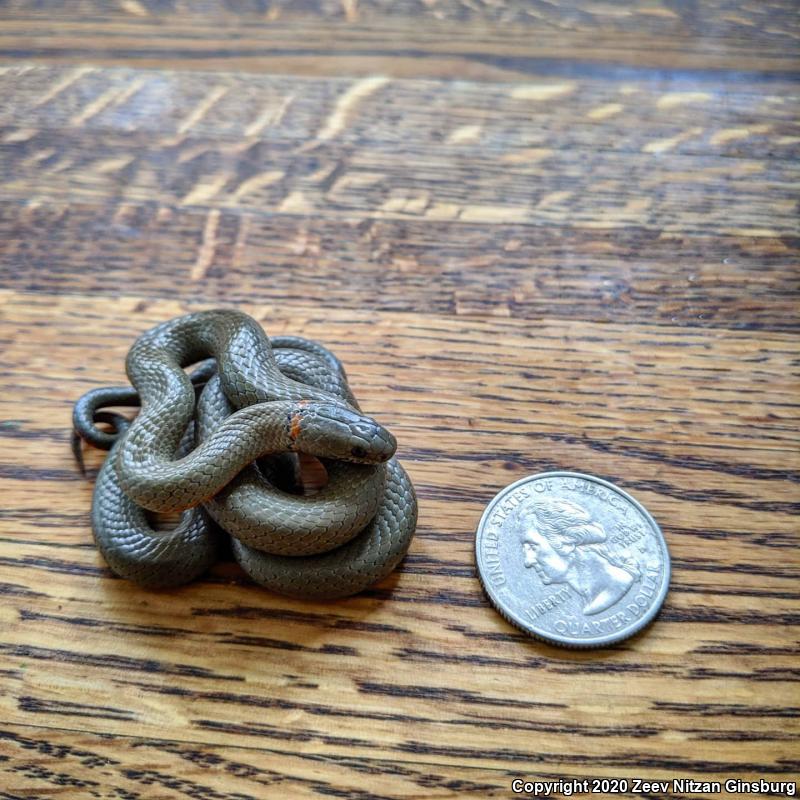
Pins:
<point x="217" y="458"/>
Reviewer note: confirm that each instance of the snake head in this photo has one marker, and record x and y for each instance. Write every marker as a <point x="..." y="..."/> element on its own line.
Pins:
<point x="329" y="430"/>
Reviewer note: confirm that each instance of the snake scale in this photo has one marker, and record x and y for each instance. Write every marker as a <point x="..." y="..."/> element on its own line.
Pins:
<point x="215" y="445"/>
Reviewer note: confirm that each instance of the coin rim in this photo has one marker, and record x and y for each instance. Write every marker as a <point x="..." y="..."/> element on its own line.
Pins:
<point x="587" y="644"/>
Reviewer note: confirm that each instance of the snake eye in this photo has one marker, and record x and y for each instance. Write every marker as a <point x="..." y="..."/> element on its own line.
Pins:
<point x="358" y="452"/>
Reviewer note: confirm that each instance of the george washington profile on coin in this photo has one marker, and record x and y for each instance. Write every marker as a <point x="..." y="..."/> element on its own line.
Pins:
<point x="564" y="545"/>
<point x="572" y="559"/>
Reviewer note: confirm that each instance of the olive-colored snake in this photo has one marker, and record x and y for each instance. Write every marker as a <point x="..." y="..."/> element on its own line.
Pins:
<point x="212" y="445"/>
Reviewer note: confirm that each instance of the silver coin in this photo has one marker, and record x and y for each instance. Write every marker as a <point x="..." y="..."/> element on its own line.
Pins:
<point x="572" y="559"/>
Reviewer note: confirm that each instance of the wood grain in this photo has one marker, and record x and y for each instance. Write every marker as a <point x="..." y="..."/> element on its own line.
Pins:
<point x="134" y="768"/>
<point x="94" y="143"/>
<point x="539" y="236"/>
<point x="420" y="38"/>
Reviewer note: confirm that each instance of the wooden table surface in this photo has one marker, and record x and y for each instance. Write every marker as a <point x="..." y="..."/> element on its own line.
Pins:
<point x="540" y="235"/>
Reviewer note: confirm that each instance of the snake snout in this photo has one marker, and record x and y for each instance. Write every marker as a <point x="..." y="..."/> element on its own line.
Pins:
<point x="373" y="443"/>
<point x="337" y="432"/>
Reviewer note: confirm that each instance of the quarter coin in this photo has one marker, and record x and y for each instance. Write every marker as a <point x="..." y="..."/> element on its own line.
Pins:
<point x="572" y="559"/>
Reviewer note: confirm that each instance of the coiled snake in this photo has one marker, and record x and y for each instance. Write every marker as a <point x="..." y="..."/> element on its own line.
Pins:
<point x="200" y="445"/>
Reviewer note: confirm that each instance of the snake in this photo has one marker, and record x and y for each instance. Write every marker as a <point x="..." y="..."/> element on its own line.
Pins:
<point x="212" y="445"/>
